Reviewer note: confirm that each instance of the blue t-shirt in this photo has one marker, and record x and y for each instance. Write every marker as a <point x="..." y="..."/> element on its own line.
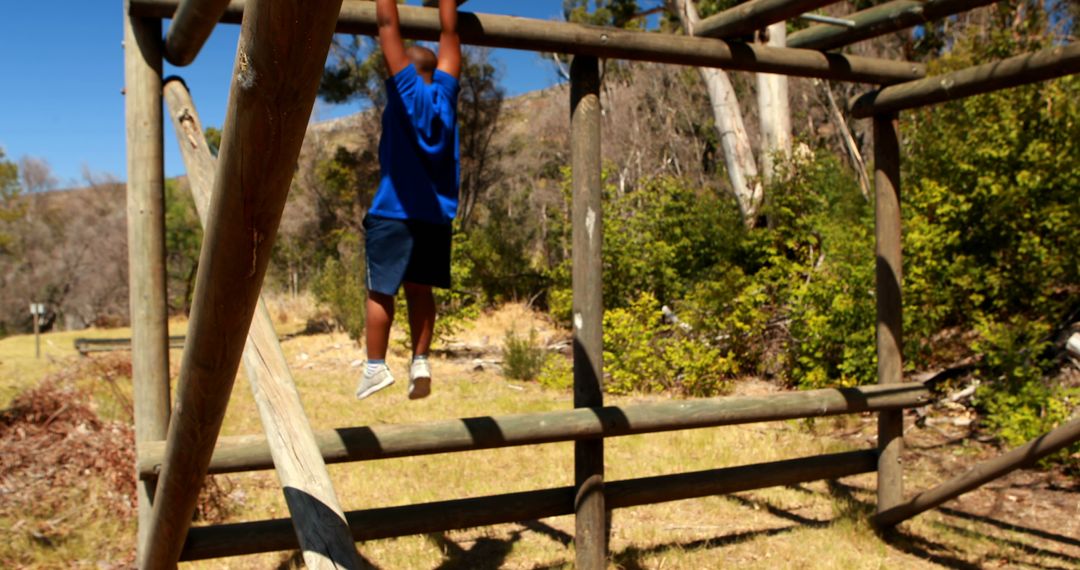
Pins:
<point x="418" y="153"/>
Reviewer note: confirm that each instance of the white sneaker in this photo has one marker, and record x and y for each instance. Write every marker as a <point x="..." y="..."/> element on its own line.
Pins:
<point x="373" y="382"/>
<point x="419" y="379"/>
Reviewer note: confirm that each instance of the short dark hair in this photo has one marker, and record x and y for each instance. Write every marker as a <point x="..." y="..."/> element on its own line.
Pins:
<point x="423" y="58"/>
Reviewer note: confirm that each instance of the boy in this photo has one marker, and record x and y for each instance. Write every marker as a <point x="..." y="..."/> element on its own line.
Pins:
<point x="407" y="228"/>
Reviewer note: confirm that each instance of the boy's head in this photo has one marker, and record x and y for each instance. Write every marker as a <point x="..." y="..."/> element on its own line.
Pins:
<point x="424" y="60"/>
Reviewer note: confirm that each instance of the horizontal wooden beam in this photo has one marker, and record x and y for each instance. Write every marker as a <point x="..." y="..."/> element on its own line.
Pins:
<point x="274" y="535"/>
<point x="88" y="345"/>
<point x="192" y="24"/>
<point x="1023" y="456"/>
<point x="251" y="452"/>
<point x="358" y="17"/>
<point x="1020" y="70"/>
<point x="746" y="18"/>
<point x="880" y="20"/>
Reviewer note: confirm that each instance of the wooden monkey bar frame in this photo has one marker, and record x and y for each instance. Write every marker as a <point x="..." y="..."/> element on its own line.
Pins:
<point x="880" y="20"/>
<point x="281" y="54"/>
<point x="358" y="17"/>
<point x="252" y="452"/>
<point x="320" y="523"/>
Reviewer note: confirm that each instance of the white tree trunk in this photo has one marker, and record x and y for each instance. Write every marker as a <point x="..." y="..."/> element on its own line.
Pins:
<point x="774" y="109"/>
<point x="738" y="155"/>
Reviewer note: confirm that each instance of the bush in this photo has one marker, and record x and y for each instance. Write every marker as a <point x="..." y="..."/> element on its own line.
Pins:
<point x="1019" y="404"/>
<point x="557" y="373"/>
<point x="523" y="358"/>
<point x="340" y="285"/>
<point x="642" y="353"/>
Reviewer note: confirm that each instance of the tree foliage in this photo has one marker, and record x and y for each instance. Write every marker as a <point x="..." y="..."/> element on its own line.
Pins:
<point x="11" y="207"/>
<point x="616" y="13"/>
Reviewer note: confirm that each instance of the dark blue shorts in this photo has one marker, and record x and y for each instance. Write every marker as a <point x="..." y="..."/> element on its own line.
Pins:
<point x="401" y="251"/>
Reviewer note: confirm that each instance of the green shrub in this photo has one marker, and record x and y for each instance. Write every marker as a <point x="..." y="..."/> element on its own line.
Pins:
<point x="557" y="373"/>
<point x="523" y="358"/>
<point x="820" y="272"/>
<point x="644" y="354"/>
<point x="1017" y="401"/>
<point x="340" y="286"/>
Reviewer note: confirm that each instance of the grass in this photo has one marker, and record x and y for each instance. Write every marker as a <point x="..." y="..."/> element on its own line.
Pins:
<point x="819" y="525"/>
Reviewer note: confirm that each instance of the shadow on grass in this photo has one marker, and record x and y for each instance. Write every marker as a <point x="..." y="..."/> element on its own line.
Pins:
<point x="943" y="553"/>
<point x="563" y="538"/>
<point x="631" y="558"/>
<point x="1016" y="544"/>
<point x="1009" y="526"/>
<point x="485" y="553"/>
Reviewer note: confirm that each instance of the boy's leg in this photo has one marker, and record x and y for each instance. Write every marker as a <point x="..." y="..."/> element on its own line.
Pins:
<point x="421" y="303"/>
<point x="380" y="316"/>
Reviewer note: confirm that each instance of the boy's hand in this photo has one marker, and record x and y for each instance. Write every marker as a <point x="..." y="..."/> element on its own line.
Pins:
<point x="393" y="47"/>
<point x="449" y="41"/>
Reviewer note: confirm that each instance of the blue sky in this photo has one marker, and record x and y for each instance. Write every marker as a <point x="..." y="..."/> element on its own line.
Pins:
<point x="60" y="96"/>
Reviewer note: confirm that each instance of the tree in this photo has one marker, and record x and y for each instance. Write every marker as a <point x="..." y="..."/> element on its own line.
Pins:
<point x="774" y="109"/>
<point x="479" y="110"/>
<point x="617" y="13"/>
<point x="738" y="154"/>
<point x="36" y="175"/>
<point x="11" y="207"/>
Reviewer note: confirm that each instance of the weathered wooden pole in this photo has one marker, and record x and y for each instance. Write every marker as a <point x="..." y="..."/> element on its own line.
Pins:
<point x="37" y="329"/>
<point x="146" y="244"/>
<point x="493" y="30"/>
<point x="746" y="18"/>
<point x="1050" y="63"/>
<point x="318" y="519"/>
<point x="983" y="473"/>
<point x="252" y="452"/>
<point x="279" y="61"/>
<point x="588" y="306"/>
<point x="889" y="314"/>
<point x="387" y="522"/>
<point x="880" y="20"/>
<point x="192" y="24"/>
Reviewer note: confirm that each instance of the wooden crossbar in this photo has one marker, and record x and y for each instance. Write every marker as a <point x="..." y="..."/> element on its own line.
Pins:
<point x="280" y="57"/>
<point x="880" y="20"/>
<point x="1045" y="64"/>
<point x="251" y="452"/>
<point x="192" y="24"/>
<point x="273" y="535"/>
<point x="746" y="18"/>
<point x="358" y="17"/>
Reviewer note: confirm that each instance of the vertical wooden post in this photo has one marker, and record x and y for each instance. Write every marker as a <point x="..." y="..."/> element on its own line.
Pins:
<point x="146" y="242"/>
<point x="37" y="331"/>
<point x="889" y="315"/>
<point x="588" y="307"/>
<point x="279" y="61"/>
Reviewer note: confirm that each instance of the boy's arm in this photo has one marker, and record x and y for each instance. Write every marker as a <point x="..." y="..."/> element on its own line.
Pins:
<point x="449" y="41"/>
<point x="393" y="47"/>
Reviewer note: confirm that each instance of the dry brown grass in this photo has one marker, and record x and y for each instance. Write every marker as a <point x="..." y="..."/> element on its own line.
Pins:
<point x="819" y="525"/>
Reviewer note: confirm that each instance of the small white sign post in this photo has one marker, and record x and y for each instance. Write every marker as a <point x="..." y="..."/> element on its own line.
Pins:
<point x="37" y="309"/>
